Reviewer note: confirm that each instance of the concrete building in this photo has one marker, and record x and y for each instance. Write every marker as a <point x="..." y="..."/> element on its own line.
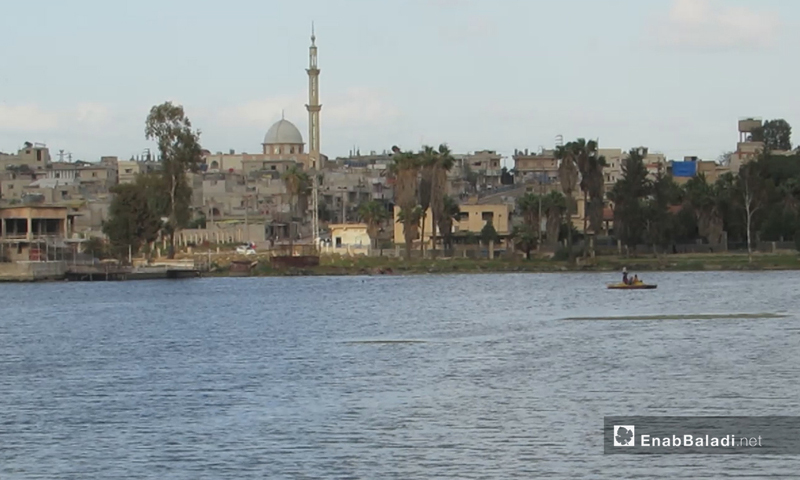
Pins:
<point x="535" y="167"/>
<point x="30" y="157"/>
<point x="26" y="230"/>
<point x="127" y="170"/>
<point x="746" y="148"/>
<point x="471" y="220"/>
<point x="486" y="163"/>
<point x="349" y="238"/>
<point x="282" y="148"/>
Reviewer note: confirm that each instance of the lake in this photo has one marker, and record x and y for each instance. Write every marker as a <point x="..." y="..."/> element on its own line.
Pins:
<point x="387" y="377"/>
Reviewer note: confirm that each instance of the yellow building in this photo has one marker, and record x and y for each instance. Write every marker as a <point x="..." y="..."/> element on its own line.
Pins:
<point x="348" y="239"/>
<point x="473" y="218"/>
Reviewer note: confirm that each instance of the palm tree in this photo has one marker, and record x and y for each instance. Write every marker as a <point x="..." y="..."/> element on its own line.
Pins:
<point x="450" y="212"/>
<point x="443" y="164"/>
<point x="554" y="205"/>
<point x="373" y="213"/>
<point x="568" y="176"/>
<point x="528" y="207"/>
<point x="297" y="186"/>
<point x="427" y="162"/>
<point x="405" y="169"/>
<point x="409" y="218"/>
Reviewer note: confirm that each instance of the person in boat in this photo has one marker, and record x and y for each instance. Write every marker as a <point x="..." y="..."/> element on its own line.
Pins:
<point x="625" y="275"/>
<point x="635" y="280"/>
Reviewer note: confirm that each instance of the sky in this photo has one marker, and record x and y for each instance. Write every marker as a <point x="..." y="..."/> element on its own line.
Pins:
<point x="672" y="75"/>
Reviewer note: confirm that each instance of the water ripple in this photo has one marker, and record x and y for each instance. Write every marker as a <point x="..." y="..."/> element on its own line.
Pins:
<point x="458" y="376"/>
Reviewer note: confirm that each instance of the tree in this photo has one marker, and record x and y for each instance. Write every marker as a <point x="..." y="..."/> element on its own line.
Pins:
<point x="427" y="163"/>
<point x="450" y="212"/>
<point x="297" y="184"/>
<point x="629" y="195"/>
<point x="405" y="169"/>
<point x="592" y="182"/>
<point x="131" y="222"/>
<point x="752" y="189"/>
<point x="659" y="224"/>
<point x="568" y="176"/>
<point x="410" y="218"/>
<point x="554" y="207"/>
<point x="525" y="238"/>
<point x="374" y="214"/>
<point x="180" y="151"/>
<point x="443" y="163"/>
<point x="529" y="206"/>
<point x="776" y="135"/>
<point x="707" y="203"/>
<point x="489" y="234"/>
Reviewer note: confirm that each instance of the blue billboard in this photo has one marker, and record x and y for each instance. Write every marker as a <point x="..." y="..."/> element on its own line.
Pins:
<point x="684" y="169"/>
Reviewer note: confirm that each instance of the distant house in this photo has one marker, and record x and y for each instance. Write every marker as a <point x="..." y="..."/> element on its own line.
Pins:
<point x="348" y="238"/>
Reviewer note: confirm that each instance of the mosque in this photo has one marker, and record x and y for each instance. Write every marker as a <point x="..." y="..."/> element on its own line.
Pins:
<point x="283" y="145"/>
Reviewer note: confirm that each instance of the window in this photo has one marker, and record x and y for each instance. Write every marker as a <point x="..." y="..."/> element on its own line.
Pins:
<point x="273" y="167"/>
<point x="38" y="155"/>
<point x="291" y="150"/>
<point x="94" y="174"/>
<point x="463" y="216"/>
<point x="338" y="242"/>
<point x="128" y="170"/>
<point x="487" y="216"/>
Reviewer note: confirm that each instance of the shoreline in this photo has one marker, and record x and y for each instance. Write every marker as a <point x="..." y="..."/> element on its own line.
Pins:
<point x="378" y="266"/>
<point x="381" y="266"/>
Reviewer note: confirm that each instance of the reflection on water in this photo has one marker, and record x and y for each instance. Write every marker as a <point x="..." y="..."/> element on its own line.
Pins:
<point x="473" y="376"/>
<point x="688" y="316"/>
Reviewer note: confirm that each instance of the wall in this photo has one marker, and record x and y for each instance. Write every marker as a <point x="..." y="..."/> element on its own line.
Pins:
<point x="472" y="222"/>
<point x="29" y="271"/>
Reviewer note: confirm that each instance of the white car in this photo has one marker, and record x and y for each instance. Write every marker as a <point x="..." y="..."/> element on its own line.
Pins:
<point x="247" y="249"/>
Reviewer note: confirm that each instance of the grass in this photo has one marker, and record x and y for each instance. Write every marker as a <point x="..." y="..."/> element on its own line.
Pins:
<point x="335" y="265"/>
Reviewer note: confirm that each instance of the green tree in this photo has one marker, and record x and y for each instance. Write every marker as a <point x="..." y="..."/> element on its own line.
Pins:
<point x="180" y="151"/>
<point x="776" y="135"/>
<point x="659" y="229"/>
<point x="410" y="218"/>
<point x="707" y="203"/>
<point x="96" y="247"/>
<point x="525" y="238"/>
<point x="427" y="164"/>
<point x="442" y="165"/>
<point x="528" y="207"/>
<point x="298" y="185"/>
<point x="374" y="214"/>
<point x="629" y="196"/>
<point x="131" y="222"/>
<point x="592" y="182"/>
<point x="489" y="234"/>
<point x="405" y="169"/>
<point x="554" y="206"/>
<point x="450" y="212"/>
<point x="568" y="175"/>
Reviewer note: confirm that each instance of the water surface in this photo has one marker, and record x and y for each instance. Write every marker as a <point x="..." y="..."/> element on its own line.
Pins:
<point x="459" y="376"/>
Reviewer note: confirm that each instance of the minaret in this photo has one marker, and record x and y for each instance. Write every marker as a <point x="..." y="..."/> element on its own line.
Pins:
<point x="313" y="108"/>
<point x="313" y="105"/>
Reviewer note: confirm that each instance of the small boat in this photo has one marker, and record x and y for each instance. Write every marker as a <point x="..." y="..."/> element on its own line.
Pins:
<point x="633" y="286"/>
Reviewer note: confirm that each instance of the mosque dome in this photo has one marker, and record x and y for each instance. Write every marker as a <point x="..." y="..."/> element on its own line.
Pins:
<point x="283" y="132"/>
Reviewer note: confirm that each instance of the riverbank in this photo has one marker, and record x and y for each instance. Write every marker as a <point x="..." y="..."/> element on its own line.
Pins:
<point x="395" y="266"/>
